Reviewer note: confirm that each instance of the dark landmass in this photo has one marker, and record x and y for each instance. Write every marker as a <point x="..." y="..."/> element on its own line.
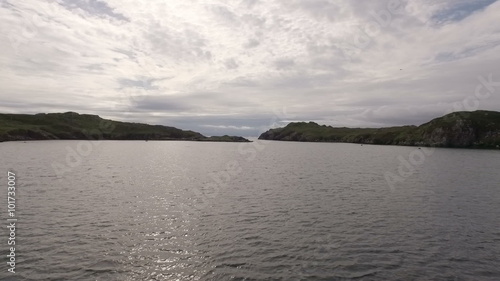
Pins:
<point x="478" y="129"/>
<point x="74" y="126"/>
<point x="225" y="138"/>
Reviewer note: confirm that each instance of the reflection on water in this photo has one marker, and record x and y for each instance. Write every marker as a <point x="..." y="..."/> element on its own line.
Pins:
<point x="286" y="211"/>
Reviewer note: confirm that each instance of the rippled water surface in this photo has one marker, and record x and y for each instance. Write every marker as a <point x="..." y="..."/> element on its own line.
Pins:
<point x="131" y="210"/>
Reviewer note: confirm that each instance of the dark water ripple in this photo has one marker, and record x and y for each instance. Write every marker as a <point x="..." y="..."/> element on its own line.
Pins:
<point x="297" y="211"/>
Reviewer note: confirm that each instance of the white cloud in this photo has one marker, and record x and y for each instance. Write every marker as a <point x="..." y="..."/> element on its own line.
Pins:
<point x="359" y="63"/>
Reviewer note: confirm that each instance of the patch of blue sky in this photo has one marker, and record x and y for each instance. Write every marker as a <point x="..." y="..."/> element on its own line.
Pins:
<point x="460" y="10"/>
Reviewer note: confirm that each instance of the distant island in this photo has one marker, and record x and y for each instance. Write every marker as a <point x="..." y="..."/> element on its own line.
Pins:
<point x="74" y="126"/>
<point x="478" y="129"/>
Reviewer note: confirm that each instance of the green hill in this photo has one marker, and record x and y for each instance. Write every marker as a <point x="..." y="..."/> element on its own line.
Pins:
<point x="71" y="125"/>
<point x="478" y="129"/>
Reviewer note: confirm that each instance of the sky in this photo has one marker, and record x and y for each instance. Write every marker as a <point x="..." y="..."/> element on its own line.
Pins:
<point x="240" y="67"/>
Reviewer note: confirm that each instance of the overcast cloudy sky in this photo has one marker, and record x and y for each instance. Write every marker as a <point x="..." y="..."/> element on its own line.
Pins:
<point x="241" y="66"/>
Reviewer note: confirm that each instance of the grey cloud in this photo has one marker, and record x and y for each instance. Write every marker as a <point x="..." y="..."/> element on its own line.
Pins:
<point x="305" y="56"/>
<point x="93" y="7"/>
<point x="242" y="82"/>
<point x="401" y="116"/>
<point x="302" y="81"/>
<point x="231" y="63"/>
<point x="445" y="57"/>
<point x="254" y="20"/>
<point x="42" y="65"/>
<point x="144" y="83"/>
<point x="166" y="104"/>
<point x="179" y="45"/>
<point x="252" y="43"/>
<point x="5" y="4"/>
<point x="321" y="9"/>
<point x="130" y="54"/>
<point x="193" y="102"/>
<point x="94" y="67"/>
<point x="224" y="14"/>
<point x="46" y="107"/>
<point x="284" y="64"/>
<point x="334" y="52"/>
<point x="217" y="99"/>
<point x="249" y="3"/>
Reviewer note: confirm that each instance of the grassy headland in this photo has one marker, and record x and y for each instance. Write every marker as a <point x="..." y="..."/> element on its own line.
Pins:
<point x="478" y="129"/>
<point x="71" y="125"/>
